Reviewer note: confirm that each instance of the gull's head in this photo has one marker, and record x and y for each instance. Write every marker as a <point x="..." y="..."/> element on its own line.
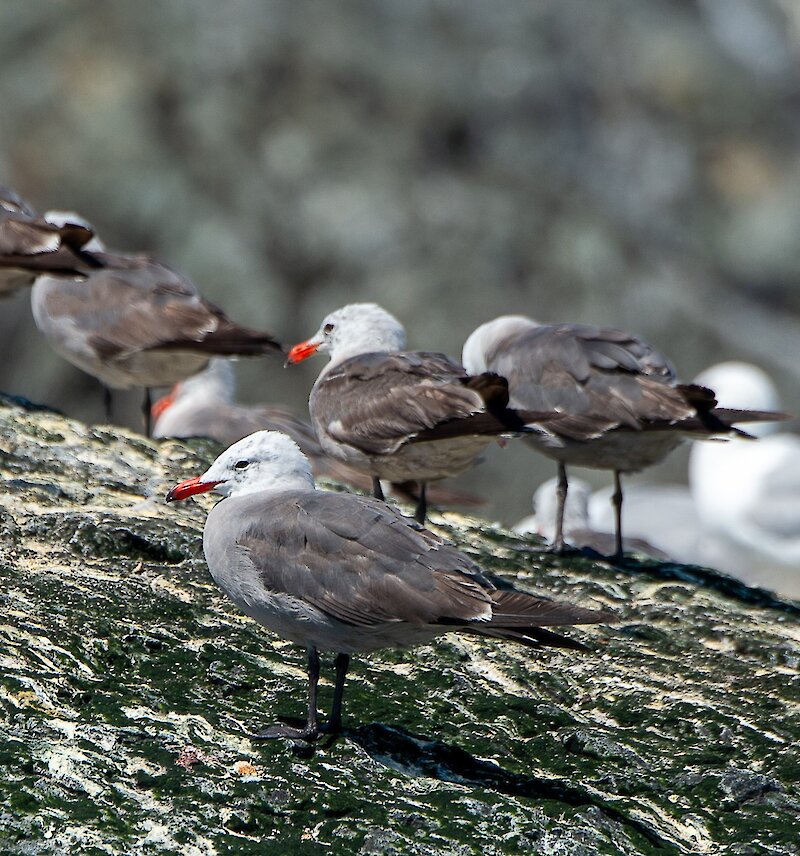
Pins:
<point x="358" y="328"/>
<point x="266" y="460"/>
<point x="482" y="340"/>
<point x="217" y="380"/>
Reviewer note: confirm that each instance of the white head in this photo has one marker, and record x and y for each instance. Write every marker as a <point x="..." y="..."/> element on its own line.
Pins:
<point x="742" y="386"/>
<point x="358" y="328"/>
<point x="61" y="218"/>
<point x="481" y="340"/>
<point x="266" y="460"/>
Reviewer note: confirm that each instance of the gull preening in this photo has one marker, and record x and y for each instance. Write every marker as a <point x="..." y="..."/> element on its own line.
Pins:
<point x="401" y="415"/>
<point x="134" y="322"/>
<point x="623" y="408"/>
<point x="346" y="573"/>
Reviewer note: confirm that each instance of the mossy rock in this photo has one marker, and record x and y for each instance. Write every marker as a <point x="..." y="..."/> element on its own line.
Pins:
<point x="129" y="688"/>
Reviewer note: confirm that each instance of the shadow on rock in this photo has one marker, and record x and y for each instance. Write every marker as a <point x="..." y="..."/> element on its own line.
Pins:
<point x="419" y="756"/>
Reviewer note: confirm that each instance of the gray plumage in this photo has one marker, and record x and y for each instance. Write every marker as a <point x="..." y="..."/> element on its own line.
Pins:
<point x="622" y="407"/>
<point x="401" y="415"/>
<point x="380" y="402"/>
<point x="137" y="322"/>
<point x="360" y="564"/>
<point x="347" y="573"/>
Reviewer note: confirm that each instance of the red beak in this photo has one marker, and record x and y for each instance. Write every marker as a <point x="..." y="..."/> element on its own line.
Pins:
<point x="189" y="488"/>
<point x="163" y="403"/>
<point x="301" y="352"/>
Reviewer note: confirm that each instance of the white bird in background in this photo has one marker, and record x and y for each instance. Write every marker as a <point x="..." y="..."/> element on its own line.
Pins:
<point x="578" y="528"/>
<point x="747" y="493"/>
<point x="347" y="573"/>
<point x="661" y="514"/>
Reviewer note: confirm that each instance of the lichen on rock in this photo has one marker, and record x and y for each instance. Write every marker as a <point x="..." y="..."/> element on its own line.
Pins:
<point x="129" y="688"/>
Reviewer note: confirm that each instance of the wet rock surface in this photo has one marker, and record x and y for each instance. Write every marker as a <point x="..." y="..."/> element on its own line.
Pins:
<point x="129" y="688"/>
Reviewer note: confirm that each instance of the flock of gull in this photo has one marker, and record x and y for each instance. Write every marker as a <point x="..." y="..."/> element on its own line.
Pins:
<point x="341" y="571"/>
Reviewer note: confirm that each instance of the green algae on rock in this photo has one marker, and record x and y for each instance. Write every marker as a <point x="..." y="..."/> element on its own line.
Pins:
<point x="129" y="687"/>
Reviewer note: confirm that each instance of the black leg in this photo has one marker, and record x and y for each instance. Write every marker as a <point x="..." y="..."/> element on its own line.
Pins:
<point x="377" y="490"/>
<point x="147" y="405"/>
<point x="334" y="725"/>
<point x="312" y="726"/>
<point x="616" y="501"/>
<point x="561" y="497"/>
<point x="422" y="503"/>
<point x="108" y="403"/>
<point x="311" y="731"/>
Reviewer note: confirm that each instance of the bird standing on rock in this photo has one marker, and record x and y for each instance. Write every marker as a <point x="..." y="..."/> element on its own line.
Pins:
<point x="622" y="407"/>
<point x="347" y="573"/>
<point x="204" y="405"/>
<point x="401" y="415"/>
<point x="135" y="322"/>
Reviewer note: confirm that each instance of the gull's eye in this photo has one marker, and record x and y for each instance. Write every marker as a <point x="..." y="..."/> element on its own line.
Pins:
<point x="328" y="328"/>
<point x="240" y="465"/>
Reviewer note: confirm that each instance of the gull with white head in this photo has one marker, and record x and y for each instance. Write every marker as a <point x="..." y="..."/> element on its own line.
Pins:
<point x="401" y="415"/>
<point x="347" y="573"/>
<point x="622" y="406"/>
<point x="205" y="405"/>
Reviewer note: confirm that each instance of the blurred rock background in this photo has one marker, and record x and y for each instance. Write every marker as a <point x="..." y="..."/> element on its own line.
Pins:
<point x="633" y="163"/>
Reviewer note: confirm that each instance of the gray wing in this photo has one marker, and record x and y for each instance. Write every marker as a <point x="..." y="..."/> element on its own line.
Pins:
<point x="360" y="562"/>
<point x="599" y="378"/>
<point x="379" y="402"/>
<point x="134" y="303"/>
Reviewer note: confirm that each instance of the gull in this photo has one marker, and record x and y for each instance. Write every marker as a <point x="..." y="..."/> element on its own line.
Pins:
<point x="31" y="246"/>
<point x="401" y="415"/>
<point x="347" y="573"/>
<point x="622" y="406"/>
<point x="747" y="495"/>
<point x="134" y="322"/>
<point x="205" y="405"/>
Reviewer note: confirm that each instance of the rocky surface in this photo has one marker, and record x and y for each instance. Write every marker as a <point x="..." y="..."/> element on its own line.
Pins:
<point x="128" y="688"/>
<point x="634" y="163"/>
